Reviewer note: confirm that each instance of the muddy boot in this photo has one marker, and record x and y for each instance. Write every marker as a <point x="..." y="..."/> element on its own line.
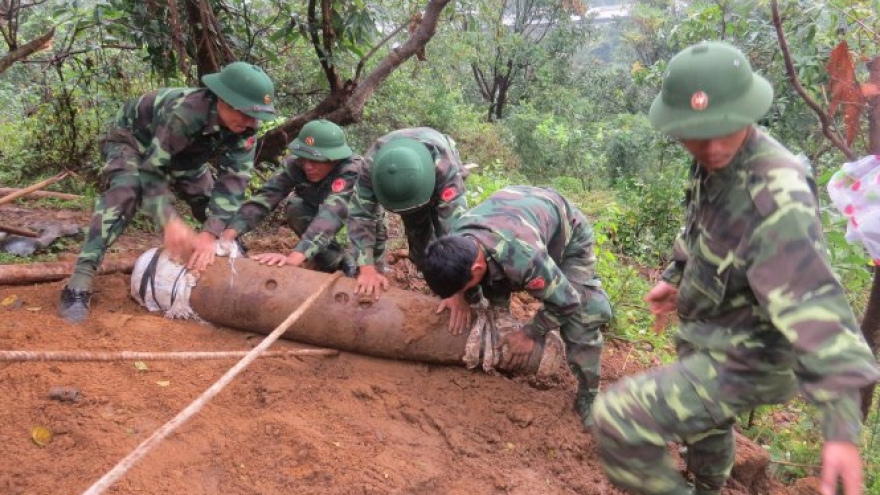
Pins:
<point x="74" y="305"/>
<point x="583" y="406"/>
<point x="348" y="266"/>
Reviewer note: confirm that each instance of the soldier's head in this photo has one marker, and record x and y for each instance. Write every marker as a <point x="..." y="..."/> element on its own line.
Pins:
<point x="403" y="175"/>
<point x="319" y="146"/>
<point x="709" y="100"/>
<point x="453" y="264"/>
<point x="246" y="95"/>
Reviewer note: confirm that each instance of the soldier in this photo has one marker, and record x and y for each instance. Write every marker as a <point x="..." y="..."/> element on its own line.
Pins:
<point x="532" y="239"/>
<point x="760" y="311"/>
<point x="162" y="142"/>
<point x="418" y="174"/>
<point x="322" y="172"/>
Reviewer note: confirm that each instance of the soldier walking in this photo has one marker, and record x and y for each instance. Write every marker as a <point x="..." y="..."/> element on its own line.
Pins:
<point x="760" y="311"/>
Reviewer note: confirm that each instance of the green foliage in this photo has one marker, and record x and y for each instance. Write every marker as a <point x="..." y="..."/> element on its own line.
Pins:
<point x="791" y="436"/>
<point x="487" y="180"/>
<point x="552" y="145"/>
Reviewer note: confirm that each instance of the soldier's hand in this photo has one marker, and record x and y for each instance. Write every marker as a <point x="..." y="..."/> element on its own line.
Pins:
<point x="841" y="461"/>
<point x="278" y="259"/>
<point x="203" y="252"/>
<point x="459" y="313"/>
<point x="662" y="300"/>
<point x="370" y="283"/>
<point x="515" y="349"/>
<point x="178" y="240"/>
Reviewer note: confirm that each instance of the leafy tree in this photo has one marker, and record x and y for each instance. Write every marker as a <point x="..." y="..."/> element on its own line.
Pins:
<point x="512" y="41"/>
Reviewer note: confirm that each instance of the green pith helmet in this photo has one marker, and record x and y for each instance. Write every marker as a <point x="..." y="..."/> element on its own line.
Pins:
<point x="244" y="87"/>
<point x="403" y="175"/>
<point x="321" y="141"/>
<point x="709" y="90"/>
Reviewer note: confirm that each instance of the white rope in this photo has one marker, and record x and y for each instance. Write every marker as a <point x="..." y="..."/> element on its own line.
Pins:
<point x="141" y="450"/>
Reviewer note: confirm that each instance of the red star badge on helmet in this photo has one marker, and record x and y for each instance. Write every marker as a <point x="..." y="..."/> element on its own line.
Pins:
<point x="249" y="143"/>
<point x="448" y="194"/>
<point x="338" y="185"/>
<point x="536" y="284"/>
<point x="309" y="140"/>
<point x="700" y="101"/>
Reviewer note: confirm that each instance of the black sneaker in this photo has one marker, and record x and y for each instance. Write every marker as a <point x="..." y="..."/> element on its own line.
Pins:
<point x="74" y="306"/>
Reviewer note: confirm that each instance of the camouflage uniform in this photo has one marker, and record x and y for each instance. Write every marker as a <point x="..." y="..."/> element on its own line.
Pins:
<point x="316" y="212"/>
<point x="162" y="143"/>
<point x="421" y="224"/>
<point x="760" y="312"/>
<point x="537" y="241"/>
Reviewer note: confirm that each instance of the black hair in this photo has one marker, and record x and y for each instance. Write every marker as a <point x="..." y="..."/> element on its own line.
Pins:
<point x="447" y="264"/>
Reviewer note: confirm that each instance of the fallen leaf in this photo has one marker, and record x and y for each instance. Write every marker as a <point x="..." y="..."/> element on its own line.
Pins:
<point x="11" y="302"/>
<point x="35" y="308"/>
<point x="41" y="435"/>
<point x="163" y="383"/>
<point x="141" y="366"/>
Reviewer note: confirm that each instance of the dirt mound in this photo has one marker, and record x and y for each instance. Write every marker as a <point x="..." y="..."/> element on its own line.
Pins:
<point x="347" y="424"/>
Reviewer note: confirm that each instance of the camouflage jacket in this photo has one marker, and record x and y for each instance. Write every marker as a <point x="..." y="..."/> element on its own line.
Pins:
<point x="177" y="131"/>
<point x="448" y="200"/>
<point x="525" y="233"/>
<point x="755" y="286"/>
<point x="330" y="197"/>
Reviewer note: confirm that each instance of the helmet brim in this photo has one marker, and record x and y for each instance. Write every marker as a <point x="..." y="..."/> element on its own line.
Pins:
<point x="715" y="121"/>
<point x="318" y="154"/>
<point x="236" y="101"/>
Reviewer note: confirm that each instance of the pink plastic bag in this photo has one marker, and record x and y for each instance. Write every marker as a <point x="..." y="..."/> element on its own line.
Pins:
<point x="855" y="192"/>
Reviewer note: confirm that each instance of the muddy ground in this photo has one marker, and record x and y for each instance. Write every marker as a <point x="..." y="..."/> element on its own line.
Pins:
<point x="348" y="424"/>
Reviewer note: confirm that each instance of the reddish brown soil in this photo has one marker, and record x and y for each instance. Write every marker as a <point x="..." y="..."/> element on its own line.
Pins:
<point x="348" y="424"/>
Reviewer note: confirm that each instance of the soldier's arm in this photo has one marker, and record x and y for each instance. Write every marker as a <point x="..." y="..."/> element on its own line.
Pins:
<point x="545" y="281"/>
<point x="452" y="202"/>
<point x="264" y="201"/>
<point x="675" y="269"/>
<point x="170" y="137"/>
<point x="793" y="281"/>
<point x="363" y="219"/>
<point x="234" y="170"/>
<point x="330" y="217"/>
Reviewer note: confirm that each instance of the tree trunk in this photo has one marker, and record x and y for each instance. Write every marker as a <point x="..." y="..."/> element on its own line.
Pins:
<point x="346" y="105"/>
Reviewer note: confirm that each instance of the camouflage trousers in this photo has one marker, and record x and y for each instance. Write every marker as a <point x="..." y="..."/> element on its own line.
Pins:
<point x="300" y="215"/>
<point x="120" y="200"/>
<point x="582" y="332"/>
<point x="694" y="401"/>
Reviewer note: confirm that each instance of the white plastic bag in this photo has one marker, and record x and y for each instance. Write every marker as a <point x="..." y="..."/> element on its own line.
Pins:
<point x="855" y="192"/>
